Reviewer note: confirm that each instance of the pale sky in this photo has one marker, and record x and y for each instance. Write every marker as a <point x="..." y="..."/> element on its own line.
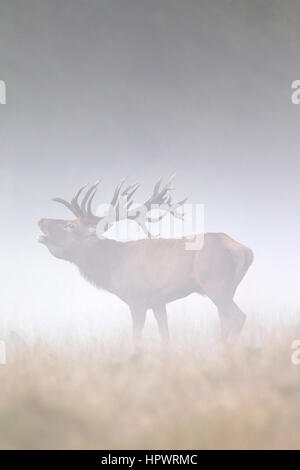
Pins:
<point x="145" y="88"/>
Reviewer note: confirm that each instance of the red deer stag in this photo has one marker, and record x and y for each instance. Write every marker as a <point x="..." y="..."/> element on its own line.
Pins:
<point x="149" y="273"/>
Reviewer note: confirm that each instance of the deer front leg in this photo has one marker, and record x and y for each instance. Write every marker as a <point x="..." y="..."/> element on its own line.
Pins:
<point x="138" y="321"/>
<point x="160" y="313"/>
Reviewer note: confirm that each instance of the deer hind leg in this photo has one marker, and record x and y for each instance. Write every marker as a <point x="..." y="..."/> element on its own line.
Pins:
<point x="232" y="317"/>
<point x="160" y="313"/>
<point x="232" y="320"/>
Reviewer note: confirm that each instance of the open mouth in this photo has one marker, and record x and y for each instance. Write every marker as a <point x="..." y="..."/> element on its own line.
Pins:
<point x="42" y="238"/>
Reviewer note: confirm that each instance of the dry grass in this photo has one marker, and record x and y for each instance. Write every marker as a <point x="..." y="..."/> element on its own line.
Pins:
<point x="204" y="398"/>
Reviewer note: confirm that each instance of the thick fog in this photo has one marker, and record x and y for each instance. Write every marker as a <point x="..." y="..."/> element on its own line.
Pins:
<point x="109" y="88"/>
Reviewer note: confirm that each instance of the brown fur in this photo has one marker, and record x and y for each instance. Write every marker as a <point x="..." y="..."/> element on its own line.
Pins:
<point x="149" y="273"/>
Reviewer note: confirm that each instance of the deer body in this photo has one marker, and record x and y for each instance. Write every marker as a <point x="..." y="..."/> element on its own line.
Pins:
<point x="144" y="272"/>
<point x="150" y="273"/>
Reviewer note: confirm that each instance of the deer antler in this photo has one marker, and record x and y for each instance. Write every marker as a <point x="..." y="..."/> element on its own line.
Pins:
<point x="83" y="211"/>
<point x="122" y="201"/>
<point x="159" y="197"/>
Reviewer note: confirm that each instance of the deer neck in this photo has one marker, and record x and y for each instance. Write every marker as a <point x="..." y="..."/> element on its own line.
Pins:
<point x="98" y="260"/>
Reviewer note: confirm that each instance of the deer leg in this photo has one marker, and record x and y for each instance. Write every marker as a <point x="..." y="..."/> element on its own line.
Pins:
<point x="138" y="322"/>
<point x="231" y="316"/>
<point x="160" y="314"/>
<point x="232" y="320"/>
<point x="225" y="325"/>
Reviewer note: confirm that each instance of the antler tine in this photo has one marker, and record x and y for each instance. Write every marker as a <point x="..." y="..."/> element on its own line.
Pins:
<point x="129" y="188"/>
<point x="168" y="185"/>
<point x="154" y="194"/>
<point x="86" y="197"/>
<point x="89" y="204"/>
<point x="159" y="196"/>
<point x="117" y="192"/>
<point x="128" y="205"/>
<point x="129" y="192"/>
<point x="171" y="178"/>
<point x="180" y="203"/>
<point x="67" y="204"/>
<point x="157" y="186"/>
<point x="173" y="210"/>
<point x="169" y="200"/>
<point x="74" y="201"/>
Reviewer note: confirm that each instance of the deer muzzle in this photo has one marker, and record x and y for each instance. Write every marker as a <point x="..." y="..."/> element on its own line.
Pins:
<point x="43" y="226"/>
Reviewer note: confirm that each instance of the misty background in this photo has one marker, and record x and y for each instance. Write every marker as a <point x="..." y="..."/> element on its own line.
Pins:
<point x="108" y="88"/>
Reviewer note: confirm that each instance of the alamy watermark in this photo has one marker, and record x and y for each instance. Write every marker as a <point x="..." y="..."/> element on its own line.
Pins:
<point x="295" y="97"/>
<point x="160" y="220"/>
<point x="2" y="92"/>
<point x="295" y="358"/>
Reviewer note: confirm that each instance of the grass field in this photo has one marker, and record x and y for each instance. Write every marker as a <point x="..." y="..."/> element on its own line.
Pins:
<point x="196" y="397"/>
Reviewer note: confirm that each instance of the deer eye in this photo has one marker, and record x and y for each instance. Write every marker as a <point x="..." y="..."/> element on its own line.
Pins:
<point x="69" y="226"/>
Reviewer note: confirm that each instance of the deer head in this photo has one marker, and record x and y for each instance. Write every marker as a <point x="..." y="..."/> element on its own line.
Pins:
<point x="66" y="238"/>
